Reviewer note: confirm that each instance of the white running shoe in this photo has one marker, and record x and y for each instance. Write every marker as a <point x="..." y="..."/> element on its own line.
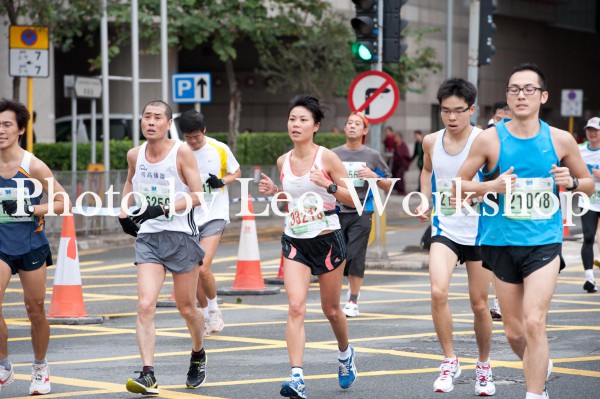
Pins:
<point x="550" y="364"/>
<point x="545" y="393"/>
<point x="6" y="376"/>
<point x="351" y="309"/>
<point x="449" y="371"/>
<point x="215" y="321"/>
<point x="40" y="380"/>
<point x="206" y="327"/>
<point x="484" y="386"/>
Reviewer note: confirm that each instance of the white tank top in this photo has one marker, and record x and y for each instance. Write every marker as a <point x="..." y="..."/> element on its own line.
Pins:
<point x="310" y="223"/>
<point x="592" y="160"/>
<point x="462" y="229"/>
<point x="155" y="181"/>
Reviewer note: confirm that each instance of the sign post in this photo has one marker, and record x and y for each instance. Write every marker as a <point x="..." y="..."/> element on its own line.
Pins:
<point x="191" y="88"/>
<point x="571" y="105"/>
<point x="376" y="95"/>
<point x="28" y="57"/>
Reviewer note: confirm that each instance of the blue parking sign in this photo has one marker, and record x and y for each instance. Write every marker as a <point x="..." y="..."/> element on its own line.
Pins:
<point x="191" y="87"/>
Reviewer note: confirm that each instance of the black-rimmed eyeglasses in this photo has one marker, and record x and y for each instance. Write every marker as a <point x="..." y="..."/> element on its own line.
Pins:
<point x="527" y="90"/>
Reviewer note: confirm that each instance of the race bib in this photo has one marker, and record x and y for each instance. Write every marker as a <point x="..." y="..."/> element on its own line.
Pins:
<point x="595" y="198"/>
<point x="208" y="195"/>
<point x="534" y="190"/>
<point x="156" y="194"/>
<point x="10" y="193"/>
<point x="352" y="168"/>
<point x="444" y="190"/>
<point x="307" y="221"/>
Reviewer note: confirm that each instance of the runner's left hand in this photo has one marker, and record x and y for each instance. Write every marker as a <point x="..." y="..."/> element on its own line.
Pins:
<point x="562" y="176"/>
<point x="214" y="182"/>
<point x="151" y="212"/>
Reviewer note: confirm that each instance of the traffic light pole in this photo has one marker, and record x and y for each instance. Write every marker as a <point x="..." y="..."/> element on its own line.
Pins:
<point x="377" y="253"/>
<point x="473" y="63"/>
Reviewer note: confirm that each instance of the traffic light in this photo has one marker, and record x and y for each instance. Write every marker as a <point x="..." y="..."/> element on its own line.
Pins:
<point x="366" y="26"/>
<point x="393" y="48"/>
<point x="486" y="30"/>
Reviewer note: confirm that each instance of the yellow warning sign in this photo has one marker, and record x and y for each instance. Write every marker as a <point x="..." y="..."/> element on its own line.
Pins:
<point x="29" y="37"/>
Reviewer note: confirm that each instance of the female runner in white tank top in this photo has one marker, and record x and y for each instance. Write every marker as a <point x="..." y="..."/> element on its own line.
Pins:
<point x="312" y="242"/>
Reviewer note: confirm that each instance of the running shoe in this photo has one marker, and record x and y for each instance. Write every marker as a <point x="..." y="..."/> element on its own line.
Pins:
<point x="206" y="327"/>
<point x="550" y="365"/>
<point x="545" y="393"/>
<point x="449" y="371"/>
<point x="294" y="388"/>
<point x="590" y="286"/>
<point x="495" y="311"/>
<point x="347" y="370"/>
<point x="197" y="373"/>
<point x="40" y="380"/>
<point x="6" y="376"/>
<point x="484" y="386"/>
<point x="144" y="384"/>
<point x="351" y="309"/>
<point x="215" y="321"/>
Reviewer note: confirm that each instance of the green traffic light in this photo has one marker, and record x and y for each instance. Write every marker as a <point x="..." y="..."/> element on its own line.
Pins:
<point x="362" y="51"/>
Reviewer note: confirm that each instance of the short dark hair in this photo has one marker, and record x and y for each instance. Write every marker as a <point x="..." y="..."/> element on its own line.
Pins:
<point x="168" y="110"/>
<point x="316" y="108"/>
<point x="20" y="110"/>
<point x="528" y="66"/>
<point x="191" y="121"/>
<point x="457" y="87"/>
<point x="499" y="105"/>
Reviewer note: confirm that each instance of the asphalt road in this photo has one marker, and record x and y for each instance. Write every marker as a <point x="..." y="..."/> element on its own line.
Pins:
<point x="397" y="352"/>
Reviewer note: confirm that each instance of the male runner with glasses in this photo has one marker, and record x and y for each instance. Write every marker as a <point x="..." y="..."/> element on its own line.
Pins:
<point x="522" y="243"/>
<point x="455" y="234"/>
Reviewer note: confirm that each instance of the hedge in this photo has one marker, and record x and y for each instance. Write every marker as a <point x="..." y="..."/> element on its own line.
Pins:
<point x="252" y="149"/>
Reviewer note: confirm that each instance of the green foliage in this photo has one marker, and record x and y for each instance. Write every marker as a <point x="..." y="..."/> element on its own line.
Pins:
<point x="58" y="155"/>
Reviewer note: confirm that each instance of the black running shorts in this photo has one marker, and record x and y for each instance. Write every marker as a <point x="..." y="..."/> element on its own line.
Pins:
<point x="356" y="230"/>
<point x="30" y="261"/>
<point x="322" y="253"/>
<point x="463" y="252"/>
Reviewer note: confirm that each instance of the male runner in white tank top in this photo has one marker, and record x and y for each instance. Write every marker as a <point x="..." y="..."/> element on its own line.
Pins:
<point x="167" y="238"/>
<point x="454" y="235"/>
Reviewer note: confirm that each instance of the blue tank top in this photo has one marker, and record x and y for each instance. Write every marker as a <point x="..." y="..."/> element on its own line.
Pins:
<point x="532" y="159"/>
<point x="20" y="235"/>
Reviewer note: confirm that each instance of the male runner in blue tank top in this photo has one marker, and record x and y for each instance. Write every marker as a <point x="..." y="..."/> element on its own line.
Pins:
<point x="522" y="244"/>
<point x="24" y="248"/>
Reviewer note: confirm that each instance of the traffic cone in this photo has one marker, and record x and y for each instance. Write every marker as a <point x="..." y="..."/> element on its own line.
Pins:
<point x="66" y="306"/>
<point x="248" y="276"/>
<point x="563" y="208"/>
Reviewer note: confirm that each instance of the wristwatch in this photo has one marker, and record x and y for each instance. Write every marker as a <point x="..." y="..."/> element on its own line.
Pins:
<point x="223" y="181"/>
<point x="332" y="188"/>
<point x="166" y="210"/>
<point x="30" y="210"/>
<point x="575" y="184"/>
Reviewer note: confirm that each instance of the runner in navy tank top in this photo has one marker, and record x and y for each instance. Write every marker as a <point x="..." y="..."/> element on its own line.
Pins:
<point x="24" y="248"/>
<point x="522" y="243"/>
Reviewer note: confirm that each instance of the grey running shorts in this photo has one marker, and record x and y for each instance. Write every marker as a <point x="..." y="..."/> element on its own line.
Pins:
<point x="29" y="261"/>
<point x="178" y="252"/>
<point x="212" y="228"/>
<point x="356" y="233"/>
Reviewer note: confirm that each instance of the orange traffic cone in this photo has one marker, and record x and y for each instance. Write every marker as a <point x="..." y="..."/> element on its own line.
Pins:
<point x="563" y="208"/>
<point x="66" y="306"/>
<point x="248" y="277"/>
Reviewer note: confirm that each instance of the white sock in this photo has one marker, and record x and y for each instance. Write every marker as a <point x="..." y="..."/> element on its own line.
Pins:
<point x="345" y="354"/>
<point x="533" y="396"/>
<point x="212" y="304"/>
<point x="589" y="275"/>
<point x="486" y="363"/>
<point x="205" y="312"/>
<point x="298" y="371"/>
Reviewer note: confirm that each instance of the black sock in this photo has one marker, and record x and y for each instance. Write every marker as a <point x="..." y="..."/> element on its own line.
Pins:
<point x="354" y="298"/>
<point x="198" y="355"/>
<point x="149" y="369"/>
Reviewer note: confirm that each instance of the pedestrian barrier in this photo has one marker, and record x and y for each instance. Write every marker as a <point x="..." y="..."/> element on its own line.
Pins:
<point x="66" y="306"/>
<point x="248" y="276"/>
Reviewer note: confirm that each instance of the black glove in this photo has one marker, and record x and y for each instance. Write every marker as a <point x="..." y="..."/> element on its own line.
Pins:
<point x="214" y="182"/>
<point x="129" y="227"/>
<point x="151" y="212"/>
<point x="9" y="207"/>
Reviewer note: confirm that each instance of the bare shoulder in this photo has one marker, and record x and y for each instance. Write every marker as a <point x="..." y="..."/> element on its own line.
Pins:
<point x="132" y="154"/>
<point x="560" y="136"/>
<point x="38" y="168"/>
<point x="429" y="141"/>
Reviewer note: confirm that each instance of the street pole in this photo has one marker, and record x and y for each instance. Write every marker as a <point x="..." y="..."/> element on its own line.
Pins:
<point x="105" y="96"/>
<point x="164" y="52"/>
<point x="376" y="252"/>
<point x="449" y="38"/>
<point x="135" y="73"/>
<point x="473" y="67"/>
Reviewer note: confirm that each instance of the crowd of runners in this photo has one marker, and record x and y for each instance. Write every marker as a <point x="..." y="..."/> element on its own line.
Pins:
<point x="467" y="177"/>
